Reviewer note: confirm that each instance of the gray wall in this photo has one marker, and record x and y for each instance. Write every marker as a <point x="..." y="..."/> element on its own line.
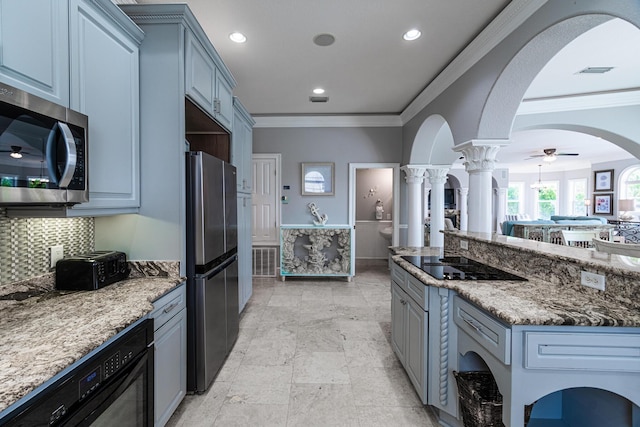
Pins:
<point x="373" y="185"/>
<point x="339" y="145"/>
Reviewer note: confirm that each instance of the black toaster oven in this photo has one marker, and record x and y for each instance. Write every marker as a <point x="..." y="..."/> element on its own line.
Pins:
<point x="91" y="271"/>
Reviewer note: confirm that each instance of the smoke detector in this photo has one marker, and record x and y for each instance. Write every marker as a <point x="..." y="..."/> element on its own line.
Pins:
<point x="324" y="39"/>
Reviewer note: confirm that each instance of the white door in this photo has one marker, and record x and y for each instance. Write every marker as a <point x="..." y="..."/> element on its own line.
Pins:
<point x="266" y="195"/>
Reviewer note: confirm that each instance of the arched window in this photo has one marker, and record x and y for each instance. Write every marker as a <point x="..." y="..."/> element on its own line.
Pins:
<point x="629" y="186"/>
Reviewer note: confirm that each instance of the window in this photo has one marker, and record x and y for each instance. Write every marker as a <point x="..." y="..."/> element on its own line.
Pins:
<point x="515" y="198"/>
<point x="577" y="196"/>
<point x="629" y="187"/>
<point x="547" y="200"/>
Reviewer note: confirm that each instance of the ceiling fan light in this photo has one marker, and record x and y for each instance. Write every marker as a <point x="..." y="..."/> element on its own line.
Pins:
<point x="16" y="155"/>
<point x="550" y="159"/>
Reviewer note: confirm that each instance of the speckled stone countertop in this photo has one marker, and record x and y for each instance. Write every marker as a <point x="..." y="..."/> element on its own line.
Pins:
<point x="43" y="334"/>
<point x="546" y="298"/>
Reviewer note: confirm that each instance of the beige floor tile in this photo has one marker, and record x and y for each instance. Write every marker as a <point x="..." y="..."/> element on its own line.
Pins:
<point x="385" y="416"/>
<point x="232" y="415"/>
<point x="320" y="368"/>
<point x="361" y="330"/>
<point x="375" y="354"/>
<point x="382" y="387"/>
<point x="200" y="409"/>
<point x="322" y="405"/>
<point x="319" y="338"/>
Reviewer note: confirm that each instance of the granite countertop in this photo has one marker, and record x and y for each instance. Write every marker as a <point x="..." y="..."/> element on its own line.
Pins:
<point x="42" y="335"/>
<point x="535" y="302"/>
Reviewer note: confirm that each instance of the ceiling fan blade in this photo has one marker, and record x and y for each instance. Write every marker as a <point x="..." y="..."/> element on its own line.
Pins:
<point x="567" y="154"/>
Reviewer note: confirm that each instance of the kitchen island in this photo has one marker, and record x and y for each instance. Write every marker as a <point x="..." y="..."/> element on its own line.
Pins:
<point x="548" y="340"/>
<point x="43" y="331"/>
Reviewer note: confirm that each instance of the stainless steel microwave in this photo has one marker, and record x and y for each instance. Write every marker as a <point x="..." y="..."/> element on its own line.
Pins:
<point x="43" y="151"/>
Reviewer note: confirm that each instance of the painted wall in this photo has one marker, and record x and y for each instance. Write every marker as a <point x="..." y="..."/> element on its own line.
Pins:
<point x="338" y="145"/>
<point x="373" y="185"/>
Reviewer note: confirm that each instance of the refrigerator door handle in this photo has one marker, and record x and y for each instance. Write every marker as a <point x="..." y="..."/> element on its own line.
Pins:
<point x="220" y="267"/>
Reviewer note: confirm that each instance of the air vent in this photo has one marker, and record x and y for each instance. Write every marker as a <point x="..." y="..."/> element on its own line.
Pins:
<point x="324" y="39"/>
<point x="595" y="70"/>
<point x="318" y="98"/>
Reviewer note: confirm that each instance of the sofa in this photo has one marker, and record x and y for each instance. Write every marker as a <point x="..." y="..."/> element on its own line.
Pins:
<point x="507" y="226"/>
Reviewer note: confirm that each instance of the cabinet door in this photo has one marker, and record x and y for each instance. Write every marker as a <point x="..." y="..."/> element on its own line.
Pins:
<point x="224" y="100"/>
<point x="247" y="158"/>
<point x="200" y="75"/>
<point x="245" y="274"/>
<point x="105" y="75"/>
<point x="415" y="357"/>
<point x="35" y="57"/>
<point x="398" y="321"/>
<point x="170" y="380"/>
<point x="237" y="149"/>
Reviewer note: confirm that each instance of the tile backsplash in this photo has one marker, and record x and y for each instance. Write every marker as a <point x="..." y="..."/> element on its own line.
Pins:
<point x="25" y="243"/>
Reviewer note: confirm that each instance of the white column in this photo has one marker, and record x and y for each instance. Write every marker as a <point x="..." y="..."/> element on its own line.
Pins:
<point x="414" y="177"/>
<point x="480" y="158"/>
<point x="463" y="193"/>
<point x="501" y="209"/>
<point x="437" y="178"/>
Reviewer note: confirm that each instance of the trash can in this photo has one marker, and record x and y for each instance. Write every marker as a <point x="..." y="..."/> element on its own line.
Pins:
<point x="480" y="400"/>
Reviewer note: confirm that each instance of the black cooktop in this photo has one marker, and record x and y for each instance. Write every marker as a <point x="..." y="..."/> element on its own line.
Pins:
<point x="458" y="268"/>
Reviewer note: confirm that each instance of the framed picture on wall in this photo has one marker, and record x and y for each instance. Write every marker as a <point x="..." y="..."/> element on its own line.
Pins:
<point x="603" y="204"/>
<point x="317" y="179"/>
<point x="603" y="180"/>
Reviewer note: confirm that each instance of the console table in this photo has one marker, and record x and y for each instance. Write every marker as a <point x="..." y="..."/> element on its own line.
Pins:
<point x="308" y="250"/>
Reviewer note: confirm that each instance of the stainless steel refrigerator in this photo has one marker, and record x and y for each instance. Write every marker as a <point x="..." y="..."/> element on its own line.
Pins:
<point x="212" y="267"/>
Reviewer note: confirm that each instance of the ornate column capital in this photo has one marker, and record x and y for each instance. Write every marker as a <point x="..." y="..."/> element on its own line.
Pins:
<point x="480" y="154"/>
<point x="414" y="174"/>
<point x="463" y="191"/>
<point x="437" y="174"/>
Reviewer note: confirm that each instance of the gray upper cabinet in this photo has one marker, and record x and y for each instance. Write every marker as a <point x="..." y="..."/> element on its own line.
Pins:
<point x="83" y="54"/>
<point x="34" y="56"/>
<point x="206" y="83"/>
<point x="242" y="146"/>
<point x="105" y="87"/>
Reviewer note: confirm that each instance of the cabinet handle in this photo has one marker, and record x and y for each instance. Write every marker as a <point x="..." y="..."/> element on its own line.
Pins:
<point x="473" y="325"/>
<point x="170" y="308"/>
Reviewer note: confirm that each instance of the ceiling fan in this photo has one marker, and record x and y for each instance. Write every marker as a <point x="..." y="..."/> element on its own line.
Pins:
<point x="550" y="155"/>
<point x="15" y="152"/>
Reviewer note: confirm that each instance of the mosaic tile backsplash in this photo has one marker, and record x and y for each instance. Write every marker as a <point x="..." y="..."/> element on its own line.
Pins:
<point x="25" y="242"/>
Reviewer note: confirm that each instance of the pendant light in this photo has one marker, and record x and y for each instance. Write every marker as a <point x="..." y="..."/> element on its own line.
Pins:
<point x="539" y="185"/>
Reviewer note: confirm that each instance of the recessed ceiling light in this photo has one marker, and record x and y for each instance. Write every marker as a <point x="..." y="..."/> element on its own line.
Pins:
<point x="318" y="91"/>
<point x="412" y="35"/>
<point x="238" y="37"/>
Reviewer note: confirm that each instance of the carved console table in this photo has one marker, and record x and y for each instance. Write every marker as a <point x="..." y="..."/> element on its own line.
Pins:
<point x="307" y="250"/>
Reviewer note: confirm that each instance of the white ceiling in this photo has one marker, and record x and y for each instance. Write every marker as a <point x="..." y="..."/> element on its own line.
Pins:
<point x="370" y="69"/>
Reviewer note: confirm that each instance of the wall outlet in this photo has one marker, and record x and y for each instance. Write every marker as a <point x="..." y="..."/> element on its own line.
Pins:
<point x="56" y="253"/>
<point x="592" y="280"/>
<point x="464" y="245"/>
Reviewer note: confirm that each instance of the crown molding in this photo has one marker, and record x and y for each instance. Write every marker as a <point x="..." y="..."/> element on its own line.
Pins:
<point x="580" y="102"/>
<point x="511" y="17"/>
<point x="327" y="121"/>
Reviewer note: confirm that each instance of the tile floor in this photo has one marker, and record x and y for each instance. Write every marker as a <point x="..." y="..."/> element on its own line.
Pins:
<point x="312" y="353"/>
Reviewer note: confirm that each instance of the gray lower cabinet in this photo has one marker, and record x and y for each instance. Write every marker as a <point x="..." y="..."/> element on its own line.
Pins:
<point x="423" y="336"/>
<point x="409" y="332"/>
<point x="170" y="342"/>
